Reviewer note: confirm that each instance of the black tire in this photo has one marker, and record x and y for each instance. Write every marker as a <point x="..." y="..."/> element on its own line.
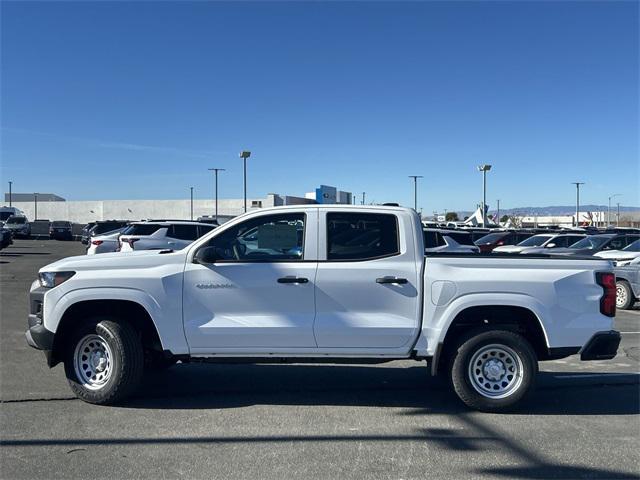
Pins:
<point x="125" y="364"/>
<point x="483" y="348"/>
<point x="624" y="295"/>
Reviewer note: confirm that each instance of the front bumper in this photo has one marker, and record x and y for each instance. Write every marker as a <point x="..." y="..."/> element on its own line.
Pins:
<point x="602" y="346"/>
<point x="37" y="335"/>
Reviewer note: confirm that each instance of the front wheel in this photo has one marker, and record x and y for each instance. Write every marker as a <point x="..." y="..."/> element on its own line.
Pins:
<point x="493" y="370"/>
<point x="104" y="361"/>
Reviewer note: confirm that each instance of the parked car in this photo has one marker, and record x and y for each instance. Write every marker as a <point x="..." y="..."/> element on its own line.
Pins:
<point x="61" y="230"/>
<point x="355" y="285"/>
<point x="19" y="226"/>
<point x="543" y="240"/>
<point x="105" y="243"/>
<point x="454" y="241"/>
<point x="86" y="233"/>
<point x="6" y="212"/>
<point x="161" y="235"/>
<point x="6" y="238"/>
<point x="624" y="256"/>
<point x="593" y="244"/>
<point x="497" y="239"/>
<point x="627" y="284"/>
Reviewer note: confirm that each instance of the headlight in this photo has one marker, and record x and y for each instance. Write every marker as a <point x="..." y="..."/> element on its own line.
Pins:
<point x="53" y="279"/>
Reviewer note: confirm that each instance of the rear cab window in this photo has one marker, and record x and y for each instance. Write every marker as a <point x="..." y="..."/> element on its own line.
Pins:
<point x="361" y="236"/>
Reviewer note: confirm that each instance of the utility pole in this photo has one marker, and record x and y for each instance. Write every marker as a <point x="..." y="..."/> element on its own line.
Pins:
<point x="215" y="171"/>
<point x="415" y="190"/>
<point x="35" y="199"/>
<point x="363" y="193"/>
<point x="609" y="208"/>
<point x="577" y="184"/>
<point x="484" y="169"/>
<point x="10" y="183"/>
<point x="243" y="155"/>
<point x="191" y="188"/>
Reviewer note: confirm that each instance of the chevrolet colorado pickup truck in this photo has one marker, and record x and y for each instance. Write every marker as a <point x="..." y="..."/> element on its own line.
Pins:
<point x="317" y="283"/>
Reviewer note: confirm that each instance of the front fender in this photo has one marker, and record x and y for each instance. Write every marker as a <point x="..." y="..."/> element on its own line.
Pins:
<point x="167" y="319"/>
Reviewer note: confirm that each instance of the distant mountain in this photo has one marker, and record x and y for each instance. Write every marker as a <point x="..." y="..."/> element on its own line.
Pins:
<point x="552" y="210"/>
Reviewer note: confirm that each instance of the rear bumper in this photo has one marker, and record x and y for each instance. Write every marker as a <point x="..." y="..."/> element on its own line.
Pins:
<point x="602" y="346"/>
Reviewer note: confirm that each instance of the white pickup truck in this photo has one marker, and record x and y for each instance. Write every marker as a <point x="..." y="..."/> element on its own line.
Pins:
<point x="319" y="283"/>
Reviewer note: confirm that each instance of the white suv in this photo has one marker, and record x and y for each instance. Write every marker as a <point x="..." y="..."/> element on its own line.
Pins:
<point x="159" y="235"/>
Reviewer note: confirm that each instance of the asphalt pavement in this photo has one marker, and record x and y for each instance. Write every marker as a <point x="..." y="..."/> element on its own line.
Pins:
<point x="306" y="421"/>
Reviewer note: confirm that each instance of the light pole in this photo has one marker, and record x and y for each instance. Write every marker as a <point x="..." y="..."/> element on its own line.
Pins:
<point x="415" y="190"/>
<point x="243" y="155"/>
<point x="191" y="188"/>
<point x="618" y="215"/>
<point x="484" y="169"/>
<point x="609" y="207"/>
<point x="215" y="171"/>
<point x="363" y="193"/>
<point x="35" y="199"/>
<point x="10" y="183"/>
<point x="577" y="184"/>
<point x="498" y="214"/>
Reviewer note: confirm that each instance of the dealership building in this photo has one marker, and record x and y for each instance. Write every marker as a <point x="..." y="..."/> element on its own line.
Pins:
<point x="53" y="207"/>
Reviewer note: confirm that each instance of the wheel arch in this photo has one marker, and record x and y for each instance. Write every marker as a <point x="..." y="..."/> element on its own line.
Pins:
<point x="130" y="311"/>
<point x="515" y="318"/>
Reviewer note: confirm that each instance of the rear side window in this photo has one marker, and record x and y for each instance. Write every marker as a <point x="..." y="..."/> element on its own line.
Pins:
<point x="360" y="236"/>
<point x="460" y="237"/>
<point x="142" y="229"/>
<point x="183" y="232"/>
<point x="204" y="229"/>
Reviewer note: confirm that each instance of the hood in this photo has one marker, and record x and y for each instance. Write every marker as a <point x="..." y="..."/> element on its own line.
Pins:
<point x="116" y="260"/>
<point x="510" y="249"/>
<point x="618" y="255"/>
<point x="572" y="251"/>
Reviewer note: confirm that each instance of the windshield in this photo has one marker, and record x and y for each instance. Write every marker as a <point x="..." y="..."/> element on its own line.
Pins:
<point x="5" y="215"/>
<point x="16" y="220"/>
<point x="535" y="241"/>
<point x="633" y="247"/>
<point x="591" y="243"/>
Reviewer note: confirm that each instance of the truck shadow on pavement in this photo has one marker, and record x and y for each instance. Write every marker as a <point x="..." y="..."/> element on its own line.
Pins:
<point x="203" y="386"/>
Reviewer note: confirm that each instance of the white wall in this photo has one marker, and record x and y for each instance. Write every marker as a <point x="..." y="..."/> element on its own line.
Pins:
<point x="87" y="211"/>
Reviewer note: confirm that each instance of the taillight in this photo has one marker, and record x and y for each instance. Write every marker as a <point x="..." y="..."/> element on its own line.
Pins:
<point x="97" y="242"/>
<point x="607" y="281"/>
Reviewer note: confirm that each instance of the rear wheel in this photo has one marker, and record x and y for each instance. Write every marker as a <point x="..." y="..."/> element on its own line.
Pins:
<point x="493" y="370"/>
<point x="624" y="295"/>
<point x="104" y="361"/>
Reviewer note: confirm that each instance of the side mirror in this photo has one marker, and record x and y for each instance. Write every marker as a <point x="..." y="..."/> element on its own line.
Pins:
<point x="206" y="256"/>
<point x="550" y="245"/>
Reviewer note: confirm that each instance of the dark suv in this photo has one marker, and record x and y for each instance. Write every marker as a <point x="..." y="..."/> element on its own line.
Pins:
<point x="60" y="230"/>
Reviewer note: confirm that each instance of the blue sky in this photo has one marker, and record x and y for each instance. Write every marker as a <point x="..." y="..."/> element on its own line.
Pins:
<point x="126" y="100"/>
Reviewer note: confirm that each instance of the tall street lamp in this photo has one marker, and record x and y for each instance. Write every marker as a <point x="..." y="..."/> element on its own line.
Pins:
<point x="609" y="208"/>
<point x="191" y="188"/>
<point x="244" y="155"/>
<point x="498" y="214"/>
<point x="215" y="171"/>
<point x="415" y="190"/>
<point x="363" y="193"/>
<point x="35" y="199"/>
<point x="484" y="169"/>
<point x="577" y="184"/>
<point x="618" y="215"/>
<point x="10" y="183"/>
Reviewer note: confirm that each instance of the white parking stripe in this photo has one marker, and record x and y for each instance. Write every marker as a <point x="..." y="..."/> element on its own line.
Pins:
<point x="591" y="375"/>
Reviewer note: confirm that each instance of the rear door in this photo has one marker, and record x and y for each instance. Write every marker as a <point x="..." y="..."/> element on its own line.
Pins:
<point x="368" y="281"/>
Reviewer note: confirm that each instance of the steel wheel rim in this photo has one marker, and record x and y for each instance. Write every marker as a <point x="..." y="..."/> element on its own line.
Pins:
<point x="621" y="295"/>
<point x="496" y="371"/>
<point x="93" y="362"/>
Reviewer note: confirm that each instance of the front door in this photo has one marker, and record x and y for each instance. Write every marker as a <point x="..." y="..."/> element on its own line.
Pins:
<point x="259" y="293"/>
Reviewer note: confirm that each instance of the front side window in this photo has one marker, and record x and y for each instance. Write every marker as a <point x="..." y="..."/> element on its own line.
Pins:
<point x="268" y="238"/>
<point x="17" y="220"/>
<point x="359" y="236"/>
